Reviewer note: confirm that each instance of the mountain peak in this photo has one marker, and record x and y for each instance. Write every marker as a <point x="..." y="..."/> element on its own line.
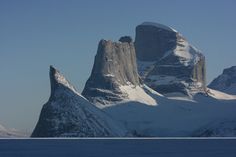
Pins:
<point x="226" y="82"/>
<point x="114" y="66"/>
<point x="68" y="114"/>
<point x="231" y="70"/>
<point x="58" y="80"/>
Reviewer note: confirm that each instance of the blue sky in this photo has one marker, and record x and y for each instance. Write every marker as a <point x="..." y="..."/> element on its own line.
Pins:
<point x="35" y="34"/>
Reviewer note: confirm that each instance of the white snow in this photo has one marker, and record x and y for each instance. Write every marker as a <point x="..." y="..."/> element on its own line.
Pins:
<point x="109" y="75"/>
<point x="188" y="53"/>
<point x="173" y="117"/>
<point x="62" y="80"/>
<point x="183" y="50"/>
<point x="137" y="93"/>
<point x="159" y="26"/>
<point x="220" y="95"/>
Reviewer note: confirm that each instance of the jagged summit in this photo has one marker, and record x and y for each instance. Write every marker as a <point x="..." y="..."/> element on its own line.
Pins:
<point x="167" y="62"/>
<point x="226" y="82"/>
<point x="68" y="114"/>
<point x="57" y="80"/>
<point x="114" y="71"/>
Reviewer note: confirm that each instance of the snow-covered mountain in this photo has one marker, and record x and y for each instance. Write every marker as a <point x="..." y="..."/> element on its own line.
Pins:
<point x="10" y="133"/>
<point x="69" y="114"/>
<point x="116" y="101"/>
<point x="226" y="82"/>
<point x="167" y="62"/>
<point x="114" y="76"/>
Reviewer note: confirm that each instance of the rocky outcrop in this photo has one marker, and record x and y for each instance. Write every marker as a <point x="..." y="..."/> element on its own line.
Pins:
<point x="68" y="114"/>
<point x="226" y="82"/>
<point x="114" y="77"/>
<point x="167" y="62"/>
<point x="127" y="39"/>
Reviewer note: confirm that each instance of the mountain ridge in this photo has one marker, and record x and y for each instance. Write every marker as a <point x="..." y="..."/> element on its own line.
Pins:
<point x="226" y="82"/>
<point x="68" y="114"/>
<point x="119" y="99"/>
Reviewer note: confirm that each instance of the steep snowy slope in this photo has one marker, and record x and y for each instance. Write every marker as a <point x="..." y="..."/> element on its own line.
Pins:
<point x="68" y="114"/>
<point x="226" y="82"/>
<point x="174" y="117"/>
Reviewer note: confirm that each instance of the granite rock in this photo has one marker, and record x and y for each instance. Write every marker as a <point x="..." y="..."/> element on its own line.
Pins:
<point x="167" y="62"/>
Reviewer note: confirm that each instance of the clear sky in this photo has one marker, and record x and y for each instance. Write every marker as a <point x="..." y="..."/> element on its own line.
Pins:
<point x="37" y="33"/>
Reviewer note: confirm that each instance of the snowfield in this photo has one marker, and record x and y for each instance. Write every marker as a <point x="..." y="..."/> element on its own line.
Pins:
<point x="174" y="117"/>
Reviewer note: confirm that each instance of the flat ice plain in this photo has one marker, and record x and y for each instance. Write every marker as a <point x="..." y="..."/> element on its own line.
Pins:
<point x="118" y="148"/>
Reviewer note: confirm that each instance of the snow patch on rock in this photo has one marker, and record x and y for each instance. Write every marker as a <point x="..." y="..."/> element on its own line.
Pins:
<point x="137" y="93"/>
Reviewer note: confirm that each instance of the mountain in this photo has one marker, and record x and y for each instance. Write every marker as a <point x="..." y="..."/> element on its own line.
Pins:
<point x="68" y="114"/>
<point x="167" y="62"/>
<point x="114" y="76"/>
<point x="10" y="133"/>
<point x="226" y="82"/>
<point x="121" y="96"/>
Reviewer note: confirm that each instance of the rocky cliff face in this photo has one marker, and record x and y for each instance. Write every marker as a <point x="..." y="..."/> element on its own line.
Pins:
<point x="167" y="62"/>
<point x="114" y="71"/>
<point x="226" y="82"/>
<point x="68" y="114"/>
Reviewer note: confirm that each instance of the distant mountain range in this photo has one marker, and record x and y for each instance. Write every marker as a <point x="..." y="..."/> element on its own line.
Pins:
<point x="10" y="133"/>
<point x="226" y="82"/>
<point x="152" y="87"/>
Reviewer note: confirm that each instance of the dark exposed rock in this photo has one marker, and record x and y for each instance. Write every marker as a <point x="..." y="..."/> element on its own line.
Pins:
<point x="68" y="114"/>
<point x="152" y="42"/>
<point x="127" y="39"/>
<point x="167" y="62"/>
